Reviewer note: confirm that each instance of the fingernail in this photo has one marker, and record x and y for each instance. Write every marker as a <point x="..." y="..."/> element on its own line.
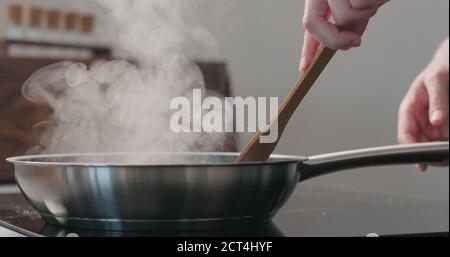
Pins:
<point x="437" y="116"/>
<point x="355" y="43"/>
<point x="422" y="167"/>
<point x="302" y="63"/>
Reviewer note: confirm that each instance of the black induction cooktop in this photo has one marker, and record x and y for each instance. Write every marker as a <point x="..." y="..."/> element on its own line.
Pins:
<point x="311" y="211"/>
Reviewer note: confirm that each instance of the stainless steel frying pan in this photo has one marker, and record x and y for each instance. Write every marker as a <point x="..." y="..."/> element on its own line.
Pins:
<point x="196" y="191"/>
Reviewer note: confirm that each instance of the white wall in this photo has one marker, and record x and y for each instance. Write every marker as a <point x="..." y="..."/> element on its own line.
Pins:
<point x="354" y="104"/>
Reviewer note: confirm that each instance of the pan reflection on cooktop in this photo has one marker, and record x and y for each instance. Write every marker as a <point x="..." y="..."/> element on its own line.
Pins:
<point x="266" y="230"/>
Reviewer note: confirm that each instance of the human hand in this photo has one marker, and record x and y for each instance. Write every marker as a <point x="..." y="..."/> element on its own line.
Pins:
<point x="424" y="113"/>
<point x="346" y="13"/>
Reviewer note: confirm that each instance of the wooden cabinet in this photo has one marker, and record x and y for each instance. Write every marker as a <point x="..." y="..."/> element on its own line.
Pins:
<point x="17" y="115"/>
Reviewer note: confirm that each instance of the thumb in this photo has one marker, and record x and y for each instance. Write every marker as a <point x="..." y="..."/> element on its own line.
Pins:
<point x="437" y="88"/>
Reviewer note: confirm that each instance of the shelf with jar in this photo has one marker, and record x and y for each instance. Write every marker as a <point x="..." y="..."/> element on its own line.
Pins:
<point x="37" y="32"/>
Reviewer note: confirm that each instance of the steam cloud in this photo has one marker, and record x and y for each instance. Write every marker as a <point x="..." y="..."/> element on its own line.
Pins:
<point x="116" y="106"/>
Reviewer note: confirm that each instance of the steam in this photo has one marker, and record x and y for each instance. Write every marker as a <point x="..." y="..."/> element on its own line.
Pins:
<point x="117" y="106"/>
<point x="155" y="29"/>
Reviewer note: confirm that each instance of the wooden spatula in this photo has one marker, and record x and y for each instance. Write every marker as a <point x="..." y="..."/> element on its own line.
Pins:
<point x="256" y="151"/>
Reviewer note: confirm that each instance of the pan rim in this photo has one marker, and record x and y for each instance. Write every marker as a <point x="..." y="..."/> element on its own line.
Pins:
<point x="28" y="160"/>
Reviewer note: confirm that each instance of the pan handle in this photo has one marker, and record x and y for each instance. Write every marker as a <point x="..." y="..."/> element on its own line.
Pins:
<point x="324" y="164"/>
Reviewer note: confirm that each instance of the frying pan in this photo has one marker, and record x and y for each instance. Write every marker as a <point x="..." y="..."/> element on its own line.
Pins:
<point x="183" y="191"/>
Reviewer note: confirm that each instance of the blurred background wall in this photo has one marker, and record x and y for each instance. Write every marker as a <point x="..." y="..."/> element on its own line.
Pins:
<point x="354" y="104"/>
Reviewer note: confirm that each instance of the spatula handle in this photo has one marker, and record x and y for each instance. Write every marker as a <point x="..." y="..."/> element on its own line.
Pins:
<point x="257" y="151"/>
<point x="304" y="84"/>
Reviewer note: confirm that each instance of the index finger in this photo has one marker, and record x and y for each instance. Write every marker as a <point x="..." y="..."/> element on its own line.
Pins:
<point x="408" y="125"/>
